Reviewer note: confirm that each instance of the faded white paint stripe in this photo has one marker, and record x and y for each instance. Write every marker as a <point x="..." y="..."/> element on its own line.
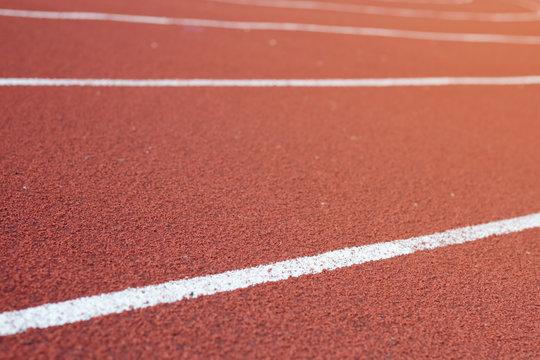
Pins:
<point x="86" y="308"/>
<point x="278" y="26"/>
<point x="386" y="11"/>
<point x="381" y="82"/>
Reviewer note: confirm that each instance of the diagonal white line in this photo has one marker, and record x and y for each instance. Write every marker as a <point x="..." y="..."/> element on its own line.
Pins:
<point x="86" y="308"/>
<point x="278" y="26"/>
<point x="380" y="82"/>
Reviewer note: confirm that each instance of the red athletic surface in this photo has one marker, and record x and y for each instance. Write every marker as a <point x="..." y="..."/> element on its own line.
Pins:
<point x="108" y="188"/>
<point x="474" y="301"/>
<point x="121" y="50"/>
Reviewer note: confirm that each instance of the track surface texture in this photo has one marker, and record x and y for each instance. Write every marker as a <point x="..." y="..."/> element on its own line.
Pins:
<point x="108" y="188"/>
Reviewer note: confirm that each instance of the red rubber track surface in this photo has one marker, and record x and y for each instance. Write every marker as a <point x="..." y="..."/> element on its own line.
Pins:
<point x="141" y="186"/>
<point x="123" y="50"/>
<point x="109" y="188"/>
<point x="477" y="300"/>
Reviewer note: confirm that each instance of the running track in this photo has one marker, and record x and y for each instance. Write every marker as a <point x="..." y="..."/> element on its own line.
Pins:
<point x="168" y="192"/>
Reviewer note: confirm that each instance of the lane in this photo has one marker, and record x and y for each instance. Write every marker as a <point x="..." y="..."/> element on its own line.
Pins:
<point x="133" y="187"/>
<point x="180" y="6"/>
<point x="115" y="50"/>
<point x="476" y="300"/>
<point x="239" y="12"/>
<point x="86" y="308"/>
<point x="393" y="33"/>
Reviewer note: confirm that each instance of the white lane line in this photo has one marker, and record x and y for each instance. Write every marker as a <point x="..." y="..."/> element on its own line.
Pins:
<point x="86" y="308"/>
<point x="278" y="26"/>
<point x="386" y="11"/>
<point x="380" y="82"/>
